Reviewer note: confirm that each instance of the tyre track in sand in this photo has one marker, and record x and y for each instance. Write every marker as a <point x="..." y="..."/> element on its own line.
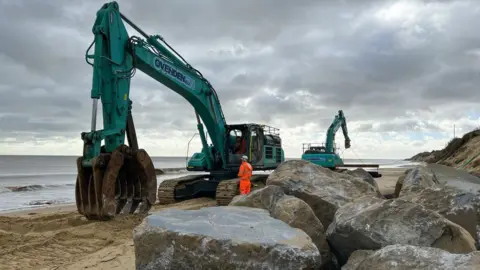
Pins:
<point x="69" y="241"/>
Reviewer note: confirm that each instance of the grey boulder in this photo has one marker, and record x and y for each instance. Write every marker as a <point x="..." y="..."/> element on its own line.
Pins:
<point x="371" y="223"/>
<point x="365" y="176"/>
<point x="221" y="238"/>
<point x="406" y="257"/>
<point x="321" y="188"/>
<point x="264" y="198"/>
<point x="454" y="204"/>
<point x="416" y="179"/>
<point x="356" y="259"/>
<point x="291" y="210"/>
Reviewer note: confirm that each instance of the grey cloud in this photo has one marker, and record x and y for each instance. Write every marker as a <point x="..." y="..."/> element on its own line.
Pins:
<point x="334" y="51"/>
<point x="22" y="123"/>
<point x="398" y="126"/>
<point x="364" y="127"/>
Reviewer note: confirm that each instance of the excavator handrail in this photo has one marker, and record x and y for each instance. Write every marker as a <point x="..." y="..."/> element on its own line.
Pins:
<point x="188" y="147"/>
<point x="270" y="130"/>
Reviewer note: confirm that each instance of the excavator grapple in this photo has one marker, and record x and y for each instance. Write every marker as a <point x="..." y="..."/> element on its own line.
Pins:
<point x="123" y="181"/>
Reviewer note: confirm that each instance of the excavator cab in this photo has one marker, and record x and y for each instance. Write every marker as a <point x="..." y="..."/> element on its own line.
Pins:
<point x="315" y="150"/>
<point x="260" y="143"/>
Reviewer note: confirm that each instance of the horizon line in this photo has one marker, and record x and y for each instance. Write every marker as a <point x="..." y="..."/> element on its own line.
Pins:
<point x="39" y="155"/>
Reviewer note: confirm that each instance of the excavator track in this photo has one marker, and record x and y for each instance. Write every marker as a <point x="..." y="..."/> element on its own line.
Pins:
<point x="226" y="190"/>
<point x="193" y="186"/>
<point x="166" y="189"/>
<point x="121" y="182"/>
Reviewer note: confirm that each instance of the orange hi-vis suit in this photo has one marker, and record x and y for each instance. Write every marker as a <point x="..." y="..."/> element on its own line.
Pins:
<point x="245" y="173"/>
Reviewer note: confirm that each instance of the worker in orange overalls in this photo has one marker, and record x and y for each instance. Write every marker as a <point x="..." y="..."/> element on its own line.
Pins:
<point x="245" y="173"/>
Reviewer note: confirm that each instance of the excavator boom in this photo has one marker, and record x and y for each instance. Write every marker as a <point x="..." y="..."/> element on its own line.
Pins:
<point x="114" y="178"/>
<point x="117" y="56"/>
<point x="338" y="121"/>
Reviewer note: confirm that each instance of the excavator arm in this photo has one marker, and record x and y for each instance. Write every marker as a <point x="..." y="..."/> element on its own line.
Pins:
<point x="116" y="178"/>
<point x="116" y="56"/>
<point x="338" y="122"/>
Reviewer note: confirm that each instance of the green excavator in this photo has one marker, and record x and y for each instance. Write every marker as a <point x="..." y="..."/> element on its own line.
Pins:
<point x="116" y="178"/>
<point x="324" y="154"/>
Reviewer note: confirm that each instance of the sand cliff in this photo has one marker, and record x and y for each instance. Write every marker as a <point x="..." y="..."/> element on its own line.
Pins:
<point x="461" y="153"/>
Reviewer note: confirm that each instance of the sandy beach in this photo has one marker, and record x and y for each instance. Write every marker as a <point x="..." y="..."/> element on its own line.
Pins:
<point x="58" y="237"/>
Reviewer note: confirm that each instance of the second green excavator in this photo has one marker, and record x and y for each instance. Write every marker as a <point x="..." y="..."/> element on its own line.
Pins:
<point x="325" y="154"/>
<point x="115" y="178"/>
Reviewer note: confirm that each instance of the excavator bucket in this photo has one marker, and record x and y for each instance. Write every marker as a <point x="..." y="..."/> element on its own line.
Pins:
<point x="121" y="182"/>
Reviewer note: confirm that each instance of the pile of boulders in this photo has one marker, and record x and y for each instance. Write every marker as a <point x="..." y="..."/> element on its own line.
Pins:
<point x="309" y="217"/>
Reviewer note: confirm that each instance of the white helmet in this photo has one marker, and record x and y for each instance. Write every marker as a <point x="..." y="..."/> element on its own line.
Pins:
<point x="244" y="157"/>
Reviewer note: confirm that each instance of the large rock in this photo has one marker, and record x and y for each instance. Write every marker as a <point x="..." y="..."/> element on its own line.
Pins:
<point x="290" y="210"/>
<point x="365" y="176"/>
<point x="371" y="223"/>
<point x="407" y="257"/>
<point x="221" y="238"/>
<point x="356" y="259"/>
<point x="264" y="198"/>
<point x="454" y="204"/>
<point x="298" y="214"/>
<point x="321" y="188"/>
<point x="416" y="179"/>
<point x="399" y="184"/>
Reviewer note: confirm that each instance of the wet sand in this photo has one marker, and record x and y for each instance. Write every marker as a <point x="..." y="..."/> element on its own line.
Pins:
<point x="57" y="237"/>
<point x="60" y="238"/>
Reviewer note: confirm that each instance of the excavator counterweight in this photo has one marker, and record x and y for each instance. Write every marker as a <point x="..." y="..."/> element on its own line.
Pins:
<point x="119" y="177"/>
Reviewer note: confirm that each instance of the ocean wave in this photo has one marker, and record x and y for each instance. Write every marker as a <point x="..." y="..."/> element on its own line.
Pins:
<point x="171" y="170"/>
<point x="47" y="202"/>
<point x="32" y="187"/>
<point x="36" y="187"/>
<point x="73" y="175"/>
<point x="33" y="175"/>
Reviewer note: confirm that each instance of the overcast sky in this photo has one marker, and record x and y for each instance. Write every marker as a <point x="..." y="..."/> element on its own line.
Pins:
<point x="403" y="72"/>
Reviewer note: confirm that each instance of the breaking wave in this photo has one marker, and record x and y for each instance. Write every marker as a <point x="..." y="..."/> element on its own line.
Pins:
<point x="47" y="202"/>
<point x="32" y="187"/>
<point x="171" y="170"/>
<point x="73" y="175"/>
<point x="36" y="175"/>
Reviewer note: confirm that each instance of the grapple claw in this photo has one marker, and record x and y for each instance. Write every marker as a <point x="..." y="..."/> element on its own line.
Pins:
<point x="109" y="180"/>
<point x="121" y="182"/>
<point x="121" y="190"/>
<point x="147" y="180"/>
<point x="81" y="192"/>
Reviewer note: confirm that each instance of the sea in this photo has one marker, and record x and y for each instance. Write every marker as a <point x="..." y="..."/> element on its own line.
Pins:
<point x="42" y="181"/>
